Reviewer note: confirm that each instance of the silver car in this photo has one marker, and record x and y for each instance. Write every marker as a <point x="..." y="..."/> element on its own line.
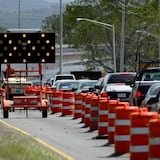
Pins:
<point x="152" y="98"/>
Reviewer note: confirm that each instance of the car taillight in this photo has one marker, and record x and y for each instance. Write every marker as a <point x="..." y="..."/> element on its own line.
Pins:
<point x="104" y="94"/>
<point x="139" y="93"/>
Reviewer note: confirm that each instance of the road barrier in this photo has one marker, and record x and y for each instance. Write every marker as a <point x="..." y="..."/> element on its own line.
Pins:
<point x="94" y="113"/>
<point x="2" y="94"/>
<point x="139" y="134"/>
<point x="83" y="107"/>
<point x="78" y="105"/>
<point x="87" y="109"/>
<point x="68" y="103"/>
<point x="103" y="117"/>
<point x="154" y="139"/>
<point x="122" y="128"/>
<point x="112" y="105"/>
<point x="56" y="101"/>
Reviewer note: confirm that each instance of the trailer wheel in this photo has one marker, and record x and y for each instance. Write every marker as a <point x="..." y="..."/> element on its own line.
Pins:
<point x="44" y="113"/>
<point x="5" y="113"/>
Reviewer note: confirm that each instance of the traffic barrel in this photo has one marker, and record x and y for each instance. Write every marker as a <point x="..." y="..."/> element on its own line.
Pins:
<point x="139" y="134"/>
<point x="122" y="128"/>
<point x="83" y="107"/>
<point x="112" y="105"/>
<point x="78" y="105"/>
<point x="56" y="101"/>
<point x="87" y="109"/>
<point x="94" y="113"/>
<point x="103" y="117"/>
<point x="68" y="103"/>
<point x="154" y="139"/>
<point x="30" y="90"/>
<point x="2" y="94"/>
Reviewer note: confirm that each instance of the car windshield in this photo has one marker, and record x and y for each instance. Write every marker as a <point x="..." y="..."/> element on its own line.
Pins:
<point x="121" y="78"/>
<point x="64" y="77"/>
<point x="87" y="85"/>
<point x="68" y="85"/>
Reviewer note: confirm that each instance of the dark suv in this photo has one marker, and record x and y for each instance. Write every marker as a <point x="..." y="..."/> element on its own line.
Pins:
<point x="143" y="81"/>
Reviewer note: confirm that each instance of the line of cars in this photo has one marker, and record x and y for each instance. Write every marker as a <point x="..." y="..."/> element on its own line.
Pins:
<point x="113" y="85"/>
<point x="77" y="86"/>
<point x="132" y="87"/>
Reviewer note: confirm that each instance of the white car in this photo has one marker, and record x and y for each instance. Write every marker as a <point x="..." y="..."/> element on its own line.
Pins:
<point x="117" y="85"/>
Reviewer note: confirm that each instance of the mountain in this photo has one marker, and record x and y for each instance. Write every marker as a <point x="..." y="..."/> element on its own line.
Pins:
<point x="27" y="13"/>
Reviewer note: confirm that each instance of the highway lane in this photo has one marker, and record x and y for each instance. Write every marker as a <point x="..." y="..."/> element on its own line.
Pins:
<point x="66" y="134"/>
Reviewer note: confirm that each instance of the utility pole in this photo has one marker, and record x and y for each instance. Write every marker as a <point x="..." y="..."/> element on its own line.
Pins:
<point x="122" y="38"/>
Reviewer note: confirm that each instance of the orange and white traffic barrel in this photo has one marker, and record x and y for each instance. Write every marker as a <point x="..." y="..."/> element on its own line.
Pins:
<point x="154" y="139"/>
<point x="112" y="105"/>
<point x="122" y="128"/>
<point x="103" y="117"/>
<point x="139" y="134"/>
<point x="87" y="109"/>
<point x="83" y="107"/>
<point x="78" y="105"/>
<point x="68" y="103"/>
<point x="94" y="113"/>
<point x="56" y="101"/>
<point x="2" y="94"/>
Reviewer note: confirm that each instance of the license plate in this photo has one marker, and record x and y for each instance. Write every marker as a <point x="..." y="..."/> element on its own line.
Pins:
<point x="121" y="95"/>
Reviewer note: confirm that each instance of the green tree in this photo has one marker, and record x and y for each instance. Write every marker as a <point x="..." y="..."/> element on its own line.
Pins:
<point x="97" y="41"/>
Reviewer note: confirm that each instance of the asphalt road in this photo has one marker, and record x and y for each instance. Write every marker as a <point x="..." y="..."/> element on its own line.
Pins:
<point x="65" y="134"/>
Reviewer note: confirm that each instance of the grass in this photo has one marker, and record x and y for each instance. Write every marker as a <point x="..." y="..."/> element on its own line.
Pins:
<point x="19" y="147"/>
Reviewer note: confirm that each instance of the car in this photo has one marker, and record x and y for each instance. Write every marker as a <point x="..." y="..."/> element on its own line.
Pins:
<point x="85" y="85"/>
<point x="61" y="77"/>
<point x="99" y="85"/>
<point x="117" y="85"/>
<point x="143" y="80"/>
<point x="152" y="98"/>
<point x="66" y="85"/>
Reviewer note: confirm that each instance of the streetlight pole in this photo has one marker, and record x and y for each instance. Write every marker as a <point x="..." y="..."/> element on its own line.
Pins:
<point x="122" y="38"/>
<point x="61" y="38"/>
<point x="105" y="25"/>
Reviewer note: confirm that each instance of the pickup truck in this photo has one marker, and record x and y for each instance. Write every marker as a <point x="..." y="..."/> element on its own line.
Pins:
<point x="143" y="81"/>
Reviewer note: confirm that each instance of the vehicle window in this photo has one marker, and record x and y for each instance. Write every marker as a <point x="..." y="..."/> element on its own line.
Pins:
<point x="68" y="85"/>
<point x="154" y="75"/>
<point x="121" y="78"/>
<point x="64" y="77"/>
<point x="87" y="85"/>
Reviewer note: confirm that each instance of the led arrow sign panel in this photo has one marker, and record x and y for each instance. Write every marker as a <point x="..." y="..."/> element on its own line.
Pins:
<point x="27" y="47"/>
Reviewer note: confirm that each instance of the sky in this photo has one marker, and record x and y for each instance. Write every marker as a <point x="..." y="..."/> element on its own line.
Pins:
<point x="31" y="12"/>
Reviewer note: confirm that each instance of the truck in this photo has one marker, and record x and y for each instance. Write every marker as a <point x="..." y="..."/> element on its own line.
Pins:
<point x="145" y="77"/>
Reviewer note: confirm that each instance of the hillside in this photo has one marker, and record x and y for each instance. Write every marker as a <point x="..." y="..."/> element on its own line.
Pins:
<point x="27" y="13"/>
